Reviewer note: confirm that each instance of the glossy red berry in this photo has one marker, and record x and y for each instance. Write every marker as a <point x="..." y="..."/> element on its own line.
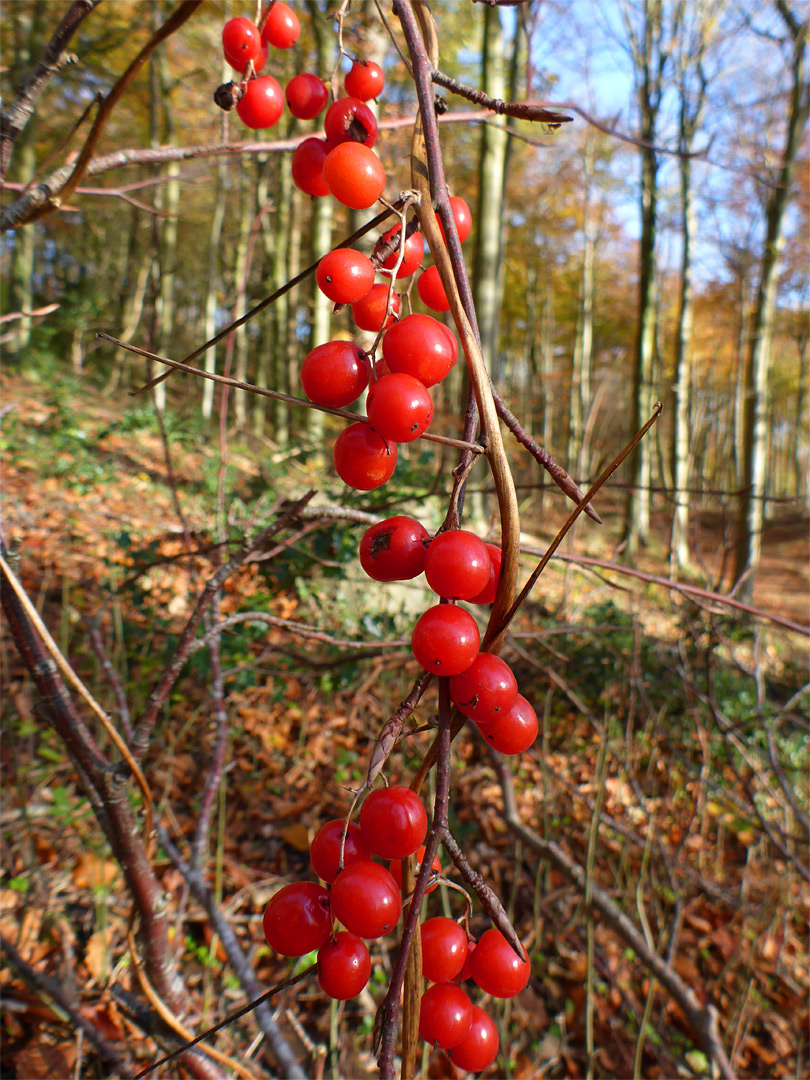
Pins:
<point x="343" y="966"/>
<point x="262" y="103"/>
<point x="307" y="167"/>
<point x="514" y="732"/>
<point x="479" y="1047"/>
<point x="369" y="312"/>
<point x="324" y="852"/>
<point x="444" y="949"/>
<point x="445" y="639"/>
<point x="393" y="822"/>
<point x="457" y="564"/>
<point x="241" y="42"/>
<point x="412" y="257"/>
<point x="365" y="80"/>
<point x="496" y="967"/>
<point x="345" y="275"/>
<point x="394" y="549"/>
<point x="486" y="691"/>
<point x="364" y="459"/>
<point x="350" y="120"/>
<point x="444" y="1015"/>
<point x="462" y="217"/>
<point x="420" y="346"/>
<point x="487" y="594"/>
<point x="282" y="28"/>
<point x="335" y="374"/>
<point x="297" y="919"/>
<point x="399" y="407"/>
<point x="365" y="898"/>
<point x="306" y="95"/>
<point x="354" y="175"/>
<point x="466" y="973"/>
<point x="435" y="867"/>
<point x="431" y="291"/>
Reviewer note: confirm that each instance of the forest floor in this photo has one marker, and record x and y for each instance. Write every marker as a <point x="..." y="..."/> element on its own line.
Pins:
<point x="699" y="841"/>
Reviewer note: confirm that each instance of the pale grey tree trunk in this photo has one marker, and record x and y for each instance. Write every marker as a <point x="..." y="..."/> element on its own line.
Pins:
<point x="751" y="503"/>
<point x="492" y="154"/>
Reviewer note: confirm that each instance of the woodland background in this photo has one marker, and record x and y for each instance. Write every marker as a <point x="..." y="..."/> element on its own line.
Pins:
<point x="656" y="248"/>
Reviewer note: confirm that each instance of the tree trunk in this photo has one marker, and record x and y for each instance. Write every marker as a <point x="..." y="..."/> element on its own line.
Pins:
<point x="491" y="159"/>
<point x="755" y="439"/>
<point x="583" y="344"/>
<point x="801" y="471"/>
<point x="240" y="273"/>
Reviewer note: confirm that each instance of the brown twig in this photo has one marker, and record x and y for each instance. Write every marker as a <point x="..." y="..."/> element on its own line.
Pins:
<point x="275" y="394"/>
<point x="13" y="121"/>
<point x="41" y="983"/>
<point x="238" y="961"/>
<point x="143" y="729"/>
<point x="520" y="110"/>
<point x="703" y="1020"/>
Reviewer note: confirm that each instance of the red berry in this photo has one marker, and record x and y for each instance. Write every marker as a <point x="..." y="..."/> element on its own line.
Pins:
<point x="369" y="312"/>
<point x="414" y="252"/>
<point x="445" y="639"/>
<point x="307" y="166"/>
<point x="435" y="866"/>
<point x="335" y="374"/>
<point x="457" y="565"/>
<point x="394" y="549"/>
<point x="431" y="291"/>
<point x="282" y="28"/>
<point x="365" y="898"/>
<point x="466" y="973"/>
<point x="324" y="852"/>
<point x="297" y="919"/>
<point x="444" y="949"/>
<point x="479" y="1047"/>
<point x="515" y="731"/>
<point x="419" y="345"/>
<point x="345" y="275"/>
<point x="350" y="120"/>
<point x="365" y="80"/>
<point x="393" y="822"/>
<point x="262" y="103"/>
<point x="306" y="95"/>
<point x="444" y="1015"/>
<point x="487" y="594"/>
<point x="399" y="407"/>
<point x="343" y="966"/>
<point x="496" y="967"/>
<point x="363" y="459"/>
<point x="462" y="217"/>
<point x="354" y="175"/>
<point x="486" y="691"/>
<point x="241" y="42"/>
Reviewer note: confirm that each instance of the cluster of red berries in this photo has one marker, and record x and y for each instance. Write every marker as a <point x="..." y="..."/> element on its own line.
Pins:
<point x="457" y="566"/>
<point x="342" y="162"/>
<point x="365" y="898"/>
<point x="417" y="353"/>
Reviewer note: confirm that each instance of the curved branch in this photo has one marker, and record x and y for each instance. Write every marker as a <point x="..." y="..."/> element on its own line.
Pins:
<point x="13" y="122"/>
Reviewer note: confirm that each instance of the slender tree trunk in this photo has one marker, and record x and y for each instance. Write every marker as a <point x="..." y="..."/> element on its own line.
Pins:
<point x="739" y="384"/>
<point x="240" y="305"/>
<point x="492" y="154"/>
<point x="280" y="309"/>
<point x="320" y="322"/>
<point x="679" y="552"/>
<point x="583" y="342"/>
<point x="801" y="465"/>
<point x="751" y="503"/>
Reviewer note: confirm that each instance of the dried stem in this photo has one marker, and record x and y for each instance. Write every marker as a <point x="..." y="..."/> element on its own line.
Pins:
<point x="520" y="110"/>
